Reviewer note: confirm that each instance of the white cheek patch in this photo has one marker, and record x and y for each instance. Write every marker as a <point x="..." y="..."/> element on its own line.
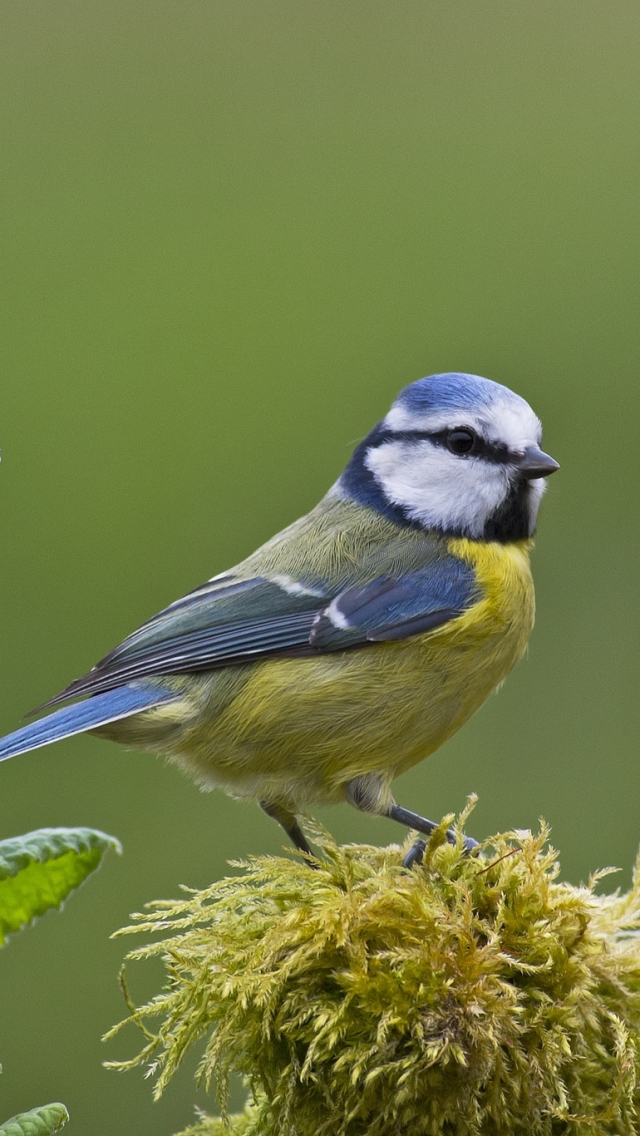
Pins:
<point x="437" y="488"/>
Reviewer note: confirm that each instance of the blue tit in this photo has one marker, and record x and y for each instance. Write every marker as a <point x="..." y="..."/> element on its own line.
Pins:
<point x="353" y="643"/>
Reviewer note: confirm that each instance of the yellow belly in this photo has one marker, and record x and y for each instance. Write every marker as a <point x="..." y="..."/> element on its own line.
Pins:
<point x="296" y="730"/>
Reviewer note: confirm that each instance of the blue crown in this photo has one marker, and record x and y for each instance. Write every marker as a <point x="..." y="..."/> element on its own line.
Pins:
<point x="451" y="391"/>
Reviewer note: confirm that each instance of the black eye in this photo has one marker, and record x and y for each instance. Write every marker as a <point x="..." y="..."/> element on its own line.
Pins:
<point x="461" y="441"/>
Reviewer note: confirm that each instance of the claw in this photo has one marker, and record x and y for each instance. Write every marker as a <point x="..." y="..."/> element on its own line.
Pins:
<point x="415" y="854"/>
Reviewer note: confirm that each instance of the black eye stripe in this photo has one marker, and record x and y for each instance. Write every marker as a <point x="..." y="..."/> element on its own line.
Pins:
<point x="489" y="451"/>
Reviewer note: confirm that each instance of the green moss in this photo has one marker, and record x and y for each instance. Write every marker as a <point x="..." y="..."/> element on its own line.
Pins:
<point x="475" y="994"/>
<point x="247" y="1123"/>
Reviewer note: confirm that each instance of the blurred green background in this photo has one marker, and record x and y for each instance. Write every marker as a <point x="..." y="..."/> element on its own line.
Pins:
<point x="231" y="232"/>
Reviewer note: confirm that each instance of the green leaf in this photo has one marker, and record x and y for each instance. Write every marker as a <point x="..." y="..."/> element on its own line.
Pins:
<point x="41" y="1121"/>
<point x="38" y="870"/>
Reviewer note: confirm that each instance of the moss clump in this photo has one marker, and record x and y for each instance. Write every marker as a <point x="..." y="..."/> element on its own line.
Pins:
<point x="472" y="995"/>
<point x="247" y="1123"/>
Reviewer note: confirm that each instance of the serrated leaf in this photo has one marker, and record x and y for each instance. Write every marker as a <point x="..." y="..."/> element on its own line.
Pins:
<point x="43" y="1121"/>
<point x="38" y="870"/>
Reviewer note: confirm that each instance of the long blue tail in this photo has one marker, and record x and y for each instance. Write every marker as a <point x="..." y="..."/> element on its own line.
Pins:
<point x="96" y="711"/>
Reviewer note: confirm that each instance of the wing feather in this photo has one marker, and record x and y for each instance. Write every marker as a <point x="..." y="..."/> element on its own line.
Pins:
<point x="233" y="620"/>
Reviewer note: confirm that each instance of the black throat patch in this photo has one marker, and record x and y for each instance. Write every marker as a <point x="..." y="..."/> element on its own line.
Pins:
<point x="512" y="518"/>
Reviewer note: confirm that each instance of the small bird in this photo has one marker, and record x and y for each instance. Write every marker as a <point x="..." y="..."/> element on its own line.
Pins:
<point x="353" y="643"/>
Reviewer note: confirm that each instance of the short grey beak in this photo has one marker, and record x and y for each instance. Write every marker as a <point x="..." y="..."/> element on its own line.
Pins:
<point x="534" y="463"/>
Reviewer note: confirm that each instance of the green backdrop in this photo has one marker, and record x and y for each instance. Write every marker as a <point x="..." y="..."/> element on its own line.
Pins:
<point x="231" y="232"/>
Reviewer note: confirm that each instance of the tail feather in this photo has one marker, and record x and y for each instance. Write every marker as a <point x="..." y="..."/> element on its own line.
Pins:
<point x="96" y="711"/>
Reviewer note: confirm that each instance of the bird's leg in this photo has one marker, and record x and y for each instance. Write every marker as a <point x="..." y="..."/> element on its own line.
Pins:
<point x="414" y="820"/>
<point x="370" y="795"/>
<point x="288" y="821"/>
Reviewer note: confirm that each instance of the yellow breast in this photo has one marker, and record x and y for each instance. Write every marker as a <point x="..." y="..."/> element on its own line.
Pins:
<point x="506" y="611"/>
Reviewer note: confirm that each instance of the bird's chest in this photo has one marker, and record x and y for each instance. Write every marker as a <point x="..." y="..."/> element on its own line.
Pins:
<point x="498" y="625"/>
<point x="453" y="669"/>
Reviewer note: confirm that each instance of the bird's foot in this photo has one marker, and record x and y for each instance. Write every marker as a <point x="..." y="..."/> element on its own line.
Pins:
<point x="415" y="855"/>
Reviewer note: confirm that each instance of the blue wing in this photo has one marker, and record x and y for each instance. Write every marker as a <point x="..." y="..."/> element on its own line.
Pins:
<point x="234" y="620"/>
<point x="239" y="621"/>
<point x="228" y="620"/>
<point x="391" y="608"/>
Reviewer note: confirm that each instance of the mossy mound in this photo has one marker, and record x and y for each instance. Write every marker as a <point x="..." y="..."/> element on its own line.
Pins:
<point x="472" y="995"/>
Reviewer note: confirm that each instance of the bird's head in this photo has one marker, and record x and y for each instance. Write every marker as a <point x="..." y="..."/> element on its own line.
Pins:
<point x="456" y="453"/>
